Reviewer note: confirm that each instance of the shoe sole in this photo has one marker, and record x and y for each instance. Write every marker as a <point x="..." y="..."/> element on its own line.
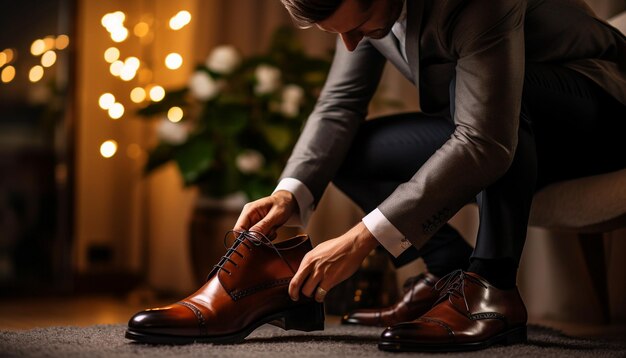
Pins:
<point x="513" y="336"/>
<point x="304" y="318"/>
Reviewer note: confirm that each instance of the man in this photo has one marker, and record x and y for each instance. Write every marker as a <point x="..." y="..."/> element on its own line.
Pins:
<point x="515" y="94"/>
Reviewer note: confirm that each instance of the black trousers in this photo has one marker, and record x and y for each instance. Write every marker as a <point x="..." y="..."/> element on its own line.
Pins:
<point x="569" y="128"/>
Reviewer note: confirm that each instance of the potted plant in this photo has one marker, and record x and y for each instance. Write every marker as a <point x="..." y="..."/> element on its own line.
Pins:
<point x="231" y="129"/>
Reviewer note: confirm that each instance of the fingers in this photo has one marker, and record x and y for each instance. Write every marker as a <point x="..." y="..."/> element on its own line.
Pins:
<point x="299" y="278"/>
<point x="320" y="294"/>
<point x="265" y="215"/>
<point x="308" y="282"/>
<point x="311" y="283"/>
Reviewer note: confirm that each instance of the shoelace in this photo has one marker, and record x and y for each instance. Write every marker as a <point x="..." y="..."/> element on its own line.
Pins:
<point x="256" y="238"/>
<point x="454" y="284"/>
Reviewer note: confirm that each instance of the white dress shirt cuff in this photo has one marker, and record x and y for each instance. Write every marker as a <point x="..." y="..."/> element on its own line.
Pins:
<point x="304" y="198"/>
<point x="388" y="235"/>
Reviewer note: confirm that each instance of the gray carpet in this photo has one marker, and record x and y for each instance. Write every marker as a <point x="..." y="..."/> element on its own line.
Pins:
<point x="268" y="341"/>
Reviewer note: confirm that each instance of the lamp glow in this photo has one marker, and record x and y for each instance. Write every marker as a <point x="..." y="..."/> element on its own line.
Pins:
<point x="108" y="148"/>
<point x="3" y="59"/>
<point x="173" y="61"/>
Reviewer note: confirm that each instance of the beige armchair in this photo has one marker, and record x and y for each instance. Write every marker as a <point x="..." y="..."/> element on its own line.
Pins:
<point x="590" y="207"/>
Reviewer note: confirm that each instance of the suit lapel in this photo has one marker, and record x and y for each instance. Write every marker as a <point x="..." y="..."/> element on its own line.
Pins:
<point x="415" y="11"/>
<point x="388" y="46"/>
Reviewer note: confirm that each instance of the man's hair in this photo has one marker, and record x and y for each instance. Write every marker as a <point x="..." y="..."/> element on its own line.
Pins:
<point x="305" y="13"/>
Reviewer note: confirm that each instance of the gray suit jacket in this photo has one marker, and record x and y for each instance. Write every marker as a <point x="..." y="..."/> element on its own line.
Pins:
<point x="485" y="44"/>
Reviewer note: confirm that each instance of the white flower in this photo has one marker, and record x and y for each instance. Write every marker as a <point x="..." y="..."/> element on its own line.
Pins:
<point x="250" y="161"/>
<point x="172" y="133"/>
<point x="267" y="79"/>
<point x="223" y="59"/>
<point x="292" y="98"/>
<point x="203" y="87"/>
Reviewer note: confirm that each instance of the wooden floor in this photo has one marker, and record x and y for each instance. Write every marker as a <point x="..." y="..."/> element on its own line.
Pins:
<point x="84" y="311"/>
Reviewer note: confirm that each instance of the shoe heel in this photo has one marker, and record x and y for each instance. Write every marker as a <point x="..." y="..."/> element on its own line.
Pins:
<point x="516" y="336"/>
<point x="307" y="318"/>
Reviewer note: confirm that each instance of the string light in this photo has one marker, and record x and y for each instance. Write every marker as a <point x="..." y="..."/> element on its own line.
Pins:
<point x="173" y="61"/>
<point x="141" y="29"/>
<point x="157" y="93"/>
<point x="108" y="148"/>
<point x="49" y="42"/>
<point x="106" y="101"/>
<point x="9" y="53"/>
<point x="3" y="59"/>
<point x="8" y="74"/>
<point x="179" y="20"/>
<point x="48" y="58"/>
<point x="119" y="34"/>
<point x="138" y="95"/>
<point x="116" y="111"/>
<point x="116" y="68"/>
<point x="175" y="114"/>
<point x="35" y="73"/>
<point x="111" y="54"/>
<point x="38" y="47"/>
<point x="62" y="42"/>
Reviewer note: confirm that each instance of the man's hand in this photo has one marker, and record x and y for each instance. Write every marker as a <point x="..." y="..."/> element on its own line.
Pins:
<point x="331" y="262"/>
<point x="267" y="214"/>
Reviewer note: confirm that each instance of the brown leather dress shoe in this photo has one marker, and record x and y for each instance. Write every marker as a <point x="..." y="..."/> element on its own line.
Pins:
<point x="470" y="314"/>
<point x="245" y="290"/>
<point x="419" y="296"/>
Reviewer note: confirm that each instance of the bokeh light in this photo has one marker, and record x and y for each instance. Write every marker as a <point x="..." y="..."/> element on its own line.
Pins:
<point x="35" y="74"/>
<point x="108" y="148"/>
<point x="179" y="20"/>
<point x="106" y="101"/>
<point x="175" y="114"/>
<point x="62" y="42"/>
<point x="49" y="58"/>
<point x="173" y="61"/>
<point x="111" y="54"/>
<point x="37" y="47"/>
<point x="137" y="95"/>
<point x="116" y="111"/>
<point x="8" y="74"/>
<point x="141" y="29"/>
<point x="157" y="93"/>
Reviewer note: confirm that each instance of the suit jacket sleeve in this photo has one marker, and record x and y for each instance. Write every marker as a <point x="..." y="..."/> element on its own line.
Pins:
<point x="339" y="111"/>
<point x="487" y="39"/>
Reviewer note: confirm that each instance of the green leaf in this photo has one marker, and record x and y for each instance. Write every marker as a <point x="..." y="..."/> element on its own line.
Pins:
<point x="231" y="119"/>
<point x="194" y="158"/>
<point x="278" y="137"/>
